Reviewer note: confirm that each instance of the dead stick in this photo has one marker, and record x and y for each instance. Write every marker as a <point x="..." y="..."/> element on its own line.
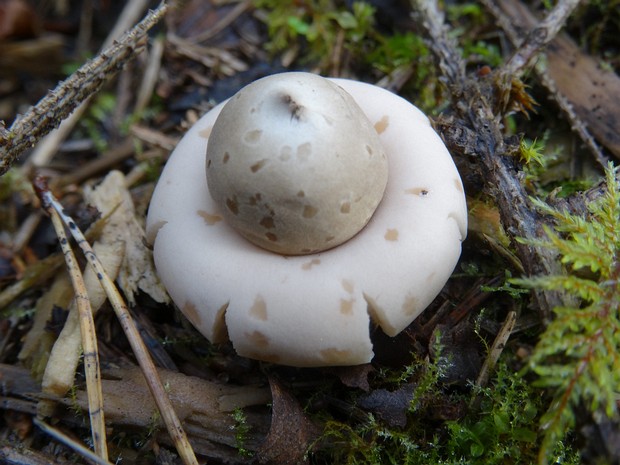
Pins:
<point x="544" y="32"/>
<point x="511" y="22"/>
<point x="89" y="339"/>
<point x="171" y="420"/>
<point x="479" y="123"/>
<point x="58" y="104"/>
<point x="71" y="443"/>
<point x="497" y="348"/>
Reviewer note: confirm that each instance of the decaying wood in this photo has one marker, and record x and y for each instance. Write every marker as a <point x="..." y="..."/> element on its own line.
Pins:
<point x="205" y="408"/>
<point x="588" y="94"/>
<point x="127" y="322"/>
<point x="475" y="130"/>
<point x="60" y="102"/>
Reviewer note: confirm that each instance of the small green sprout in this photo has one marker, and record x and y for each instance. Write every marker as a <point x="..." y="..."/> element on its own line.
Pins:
<point x="242" y="430"/>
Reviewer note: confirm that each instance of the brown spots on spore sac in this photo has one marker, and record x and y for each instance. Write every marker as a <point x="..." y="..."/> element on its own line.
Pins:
<point x="382" y="124"/>
<point x="421" y="191"/>
<point x="369" y="150"/>
<point x="206" y="132"/>
<point x="253" y="201"/>
<point x="258" y="309"/>
<point x="267" y="222"/>
<point x="258" y="165"/>
<point x="208" y="163"/>
<point x="333" y="356"/>
<point x="257" y="339"/>
<point x="345" y="207"/>
<point x="301" y="194"/>
<point x="310" y="211"/>
<point x="329" y="239"/>
<point x="252" y="137"/>
<point x="430" y="277"/>
<point x="308" y="265"/>
<point x="410" y="306"/>
<point x="225" y="158"/>
<point x="210" y="218"/>
<point x="271" y="236"/>
<point x="304" y="151"/>
<point x="286" y="152"/>
<point x="191" y="313"/>
<point x="232" y="205"/>
<point x="458" y="184"/>
<point x="347" y="285"/>
<point x="346" y="306"/>
<point x="391" y="235"/>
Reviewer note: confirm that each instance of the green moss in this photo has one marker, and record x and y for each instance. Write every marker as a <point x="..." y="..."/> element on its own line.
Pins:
<point x="317" y="25"/>
<point x="242" y="429"/>
<point x="577" y="359"/>
<point x="500" y="426"/>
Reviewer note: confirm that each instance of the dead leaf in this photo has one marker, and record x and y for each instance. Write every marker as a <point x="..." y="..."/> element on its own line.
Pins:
<point x="389" y="406"/>
<point x="354" y="376"/>
<point x="291" y="431"/>
<point x="137" y="271"/>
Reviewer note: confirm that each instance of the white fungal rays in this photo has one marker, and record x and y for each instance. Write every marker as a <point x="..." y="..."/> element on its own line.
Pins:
<point x="292" y="303"/>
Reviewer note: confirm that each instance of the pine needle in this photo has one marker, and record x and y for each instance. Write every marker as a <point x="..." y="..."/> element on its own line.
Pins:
<point x="89" y="339"/>
<point x="171" y="420"/>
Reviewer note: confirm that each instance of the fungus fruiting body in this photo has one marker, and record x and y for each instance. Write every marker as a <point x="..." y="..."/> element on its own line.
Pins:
<point x="306" y="304"/>
<point x="305" y="170"/>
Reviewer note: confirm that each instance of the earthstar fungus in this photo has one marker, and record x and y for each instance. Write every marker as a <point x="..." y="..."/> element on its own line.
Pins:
<point x="393" y="194"/>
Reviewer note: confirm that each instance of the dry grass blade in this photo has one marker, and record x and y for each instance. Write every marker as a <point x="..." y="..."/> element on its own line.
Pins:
<point x="89" y="339"/>
<point x="497" y="348"/>
<point x="173" y="424"/>
<point x="67" y="441"/>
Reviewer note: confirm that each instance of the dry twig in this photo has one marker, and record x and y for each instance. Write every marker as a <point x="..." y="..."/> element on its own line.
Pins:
<point x="536" y="39"/>
<point x="575" y="80"/>
<point x="89" y="339"/>
<point x="497" y="348"/>
<point x="476" y="130"/>
<point x="71" y="443"/>
<point x="173" y="424"/>
<point x="59" y="103"/>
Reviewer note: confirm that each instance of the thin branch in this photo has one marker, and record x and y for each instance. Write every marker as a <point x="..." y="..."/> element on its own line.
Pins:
<point x="544" y="32"/>
<point x="497" y="348"/>
<point x="70" y="443"/>
<point x="59" y="103"/>
<point x="476" y="130"/>
<point x="171" y="420"/>
<point x="512" y="16"/>
<point x="89" y="340"/>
